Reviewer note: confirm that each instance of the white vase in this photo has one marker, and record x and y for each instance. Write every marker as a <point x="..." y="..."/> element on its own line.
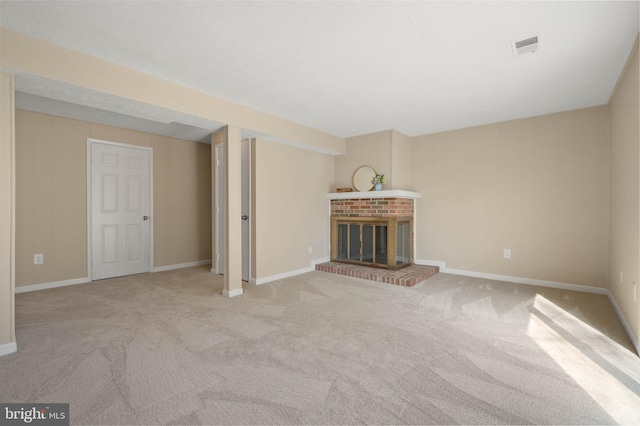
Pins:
<point x="378" y="186"/>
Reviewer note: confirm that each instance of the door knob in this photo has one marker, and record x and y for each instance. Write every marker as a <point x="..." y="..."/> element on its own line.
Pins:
<point x="245" y="217"/>
<point x="145" y="217"/>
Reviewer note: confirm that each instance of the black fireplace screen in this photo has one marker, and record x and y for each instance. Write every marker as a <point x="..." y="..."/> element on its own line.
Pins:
<point x="373" y="243"/>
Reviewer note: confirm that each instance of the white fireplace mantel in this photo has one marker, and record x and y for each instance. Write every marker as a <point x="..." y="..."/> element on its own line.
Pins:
<point x="387" y="193"/>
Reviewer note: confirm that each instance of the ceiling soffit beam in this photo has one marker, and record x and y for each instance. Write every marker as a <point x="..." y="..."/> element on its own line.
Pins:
<point x="25" y="54"/>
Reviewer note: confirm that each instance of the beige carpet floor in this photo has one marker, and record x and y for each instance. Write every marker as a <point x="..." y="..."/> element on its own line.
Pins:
<point x="167" y="348"/>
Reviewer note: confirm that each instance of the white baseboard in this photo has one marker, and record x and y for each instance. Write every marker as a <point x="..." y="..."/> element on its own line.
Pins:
<point x="519" y="280"/>
<point x="44" y="286"/>
<point x="86" y="280"/>
<point x="181" y="265"/>
<point x="8" y="348"/>
<point x="625" y="324"/>
<point x="284" y="275"/>
<point x="289" y="274"/>
<point x="430" y="263"/>
<point x="232" y="293"/>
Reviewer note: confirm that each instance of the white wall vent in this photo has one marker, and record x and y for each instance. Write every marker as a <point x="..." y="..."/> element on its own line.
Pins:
<point x="528" y="45"/>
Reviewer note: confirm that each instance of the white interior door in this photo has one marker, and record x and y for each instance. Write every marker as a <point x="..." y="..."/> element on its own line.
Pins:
<point x="246" y="209"/>
<point x="120" y="210"/>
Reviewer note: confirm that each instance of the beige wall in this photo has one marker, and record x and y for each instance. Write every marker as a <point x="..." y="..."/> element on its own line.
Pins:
<point x="7" y="222"/>
<point x="373" y="150"/>
<point x="388" y="152"/>
<point x="538" y="186"/>
<point x="51" y="204"/>
<point x="291" y="210"/>
<point x="400" y="161"/>
<point x="625" y="188"/>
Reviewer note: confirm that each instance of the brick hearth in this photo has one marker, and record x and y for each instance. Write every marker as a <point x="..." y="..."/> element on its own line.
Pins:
<point x="408" y="276"/>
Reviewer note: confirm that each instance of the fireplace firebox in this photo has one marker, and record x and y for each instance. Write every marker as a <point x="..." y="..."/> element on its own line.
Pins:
<point x="385" y="242"/>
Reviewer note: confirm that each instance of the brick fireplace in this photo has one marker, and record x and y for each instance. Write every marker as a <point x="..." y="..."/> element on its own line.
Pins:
<point x="373" y="207"/>
<point x="374" y="228"/>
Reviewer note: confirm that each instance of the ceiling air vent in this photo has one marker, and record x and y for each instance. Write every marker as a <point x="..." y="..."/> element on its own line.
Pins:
<point x="528" y="45"/>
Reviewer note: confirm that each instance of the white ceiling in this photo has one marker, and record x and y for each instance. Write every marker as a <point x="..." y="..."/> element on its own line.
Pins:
<point x="347" y="68"/>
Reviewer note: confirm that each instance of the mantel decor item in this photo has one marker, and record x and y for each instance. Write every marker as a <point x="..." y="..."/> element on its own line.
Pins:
<point x="363" y="178"/>
<point x="378" y="181"/>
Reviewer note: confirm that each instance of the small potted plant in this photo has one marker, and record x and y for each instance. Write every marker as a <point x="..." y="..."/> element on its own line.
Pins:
<point x="378" y="181"/>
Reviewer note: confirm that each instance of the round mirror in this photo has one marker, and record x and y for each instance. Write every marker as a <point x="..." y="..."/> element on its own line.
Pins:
<point x="362" y="178"/>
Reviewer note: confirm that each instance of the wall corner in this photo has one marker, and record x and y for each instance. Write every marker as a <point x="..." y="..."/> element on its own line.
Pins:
<point x="7" y="214"/>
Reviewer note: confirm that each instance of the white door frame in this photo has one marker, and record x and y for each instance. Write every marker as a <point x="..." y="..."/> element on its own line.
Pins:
<point x="246" y="202"/>
<point x="90" y="142"/>
<point x="219" y="208"/>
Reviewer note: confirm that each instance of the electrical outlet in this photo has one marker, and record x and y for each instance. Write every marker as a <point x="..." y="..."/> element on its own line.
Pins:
<point x="310" y="249"/>
<point x="621" y="276"/>
<point x="507" y="253"/>
<point x="38" y="259"/>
